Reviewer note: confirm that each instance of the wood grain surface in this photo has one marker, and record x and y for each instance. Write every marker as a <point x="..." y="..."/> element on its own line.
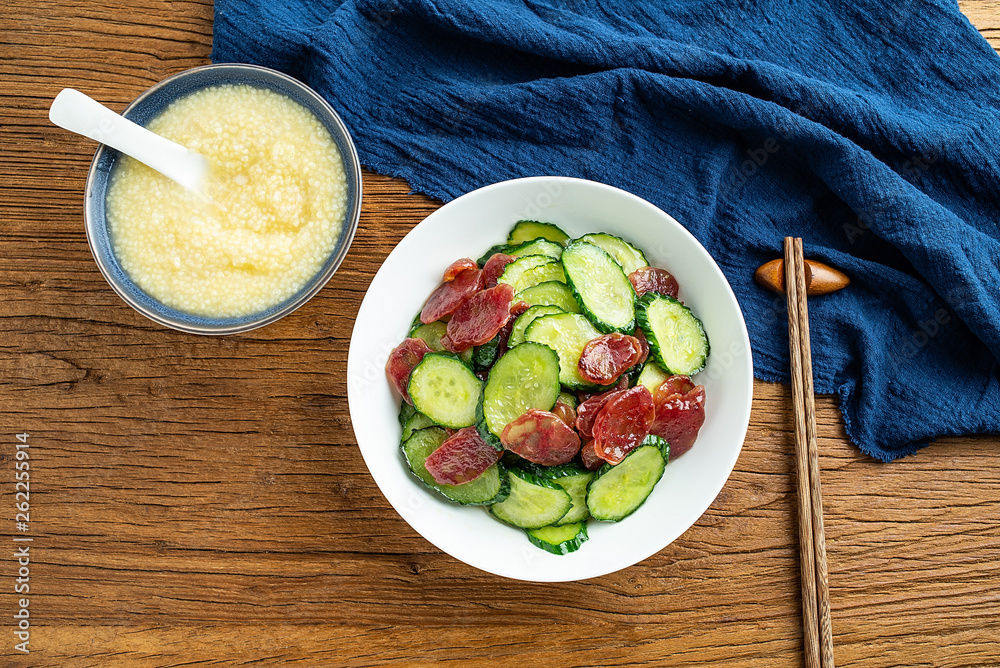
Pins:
<point x="201" y="501"/>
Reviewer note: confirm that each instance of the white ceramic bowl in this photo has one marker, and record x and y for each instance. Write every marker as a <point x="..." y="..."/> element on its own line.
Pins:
<point x="467" y="227"/>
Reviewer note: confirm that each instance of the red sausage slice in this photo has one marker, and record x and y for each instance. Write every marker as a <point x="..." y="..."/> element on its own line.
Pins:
<point x="679" y="414"/>
<point x="565" y="412"/>
<point x="401" y="362"/>
<point x="495" y="266"/>
<point x="457" y="267"/>
<point x="644" y="344"/>
<point x="651" y="279"/>
<point x="591" y="460"/>
<point x="518" y="308"/>
<point x="479" y="318"/>
<point x="541" y="437"/>
<point x="587" y="411"/>
<point x="463" y="456"/>
<point x="451" y="294"/>
<point x="622" y="424"/>
<point x="605" y="358"/>
<point x="677" y="384"/>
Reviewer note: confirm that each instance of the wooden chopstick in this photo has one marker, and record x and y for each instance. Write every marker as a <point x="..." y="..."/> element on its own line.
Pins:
<point x="817" y="629"/>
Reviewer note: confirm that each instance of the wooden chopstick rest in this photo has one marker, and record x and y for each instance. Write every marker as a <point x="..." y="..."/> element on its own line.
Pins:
<point x="821" y="279"/>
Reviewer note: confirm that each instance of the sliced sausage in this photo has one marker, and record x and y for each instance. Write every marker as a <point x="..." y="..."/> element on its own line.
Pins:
<point x="541" y="437"/>
<point x="401" y="361"/>
<point x="479" y="318"/>
<point x="463" y="456"/>
<point x="623" y="423"/>
<point x="565" y="412"/>
<point x="588" y="455"/>
<point x="457" y="267"/>
<point x="605" y="358"/>
<point x="448" y="296"/>
<point x="651" y="279"/>
<point x="587" y="411"/>
<point x="495" y="266"/>
<point x="679" y="415"/>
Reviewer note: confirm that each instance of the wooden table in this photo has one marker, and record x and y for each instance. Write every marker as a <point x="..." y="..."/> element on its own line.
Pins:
<point x="201" y="501"/>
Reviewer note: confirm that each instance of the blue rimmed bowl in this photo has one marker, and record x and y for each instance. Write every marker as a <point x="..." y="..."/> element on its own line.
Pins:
<point x="150" y="104"/>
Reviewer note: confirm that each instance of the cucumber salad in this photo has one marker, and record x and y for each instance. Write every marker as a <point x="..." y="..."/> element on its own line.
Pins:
<point x="550" y="381"/>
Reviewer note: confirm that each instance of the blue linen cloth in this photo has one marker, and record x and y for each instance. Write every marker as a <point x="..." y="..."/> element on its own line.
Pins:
<point x="870" y="129"/>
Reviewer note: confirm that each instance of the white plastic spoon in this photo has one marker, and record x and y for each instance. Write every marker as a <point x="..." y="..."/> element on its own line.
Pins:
<point x="79" y="113"/>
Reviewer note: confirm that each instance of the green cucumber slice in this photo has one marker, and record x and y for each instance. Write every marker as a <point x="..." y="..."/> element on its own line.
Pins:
<point x="499" y="248"/>
<point x="576" y="486"/>
<point x="530" y="270"/>
<point x="444" y="389"/>
<point x="415" y="422"/>
<point x="559" y="539"/>
<point x="600" y="287"/>
<point x="652" y="376"/>
<point x="569" y="399"/>
<point x="532" y="503"/>
<point x="625" y="254"/>
<point x="567" y="334"/>
<point x="551" y="293"/>
<point x="491" y="487"/>
<point x="486" y="354"/>
<point x="528" y="230"/>
<point x="432" y="333"/>
<point x="537" y="247"/>
<point x="526" y="318"/>
<point x="406" y="411"/>
<point x="525" y="377"/>
<point x="618" y="491"/>
<point x="677" y="339"/>
<point x="571" y="477"/>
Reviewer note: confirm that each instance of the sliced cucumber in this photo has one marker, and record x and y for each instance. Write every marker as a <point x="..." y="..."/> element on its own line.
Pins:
<point x="486" y="354"/>
<point x="571" y="477"/>
<point x="527" y="230"/>
<point x="415" y="422"/>
<point x="526" y="318"/>
<point x="600" y="287"/>
<point x="551" y="293"/>
<point x="652" y="376"/>
<point x="567" y="334"/>
<point x="632" y="373"/>
<point x="525" y="377"/>
<point x="530" y="270"/>
<point x="444" y="389"/>
<point x="618" y="491"/>
<point x="677" y="339"/>
<point x="499" y="248"/>
<point x="432" y="333"/>
<point x="533" y="502"/>
<point x="576" y="486"/>
<point x="569" y="399"/>
<point x="490" y="487"/>
<point x="537" y="247"/>
<point x="559" y="539"/>
<point x="625" y="254"/>
<point x="406" y="411"/>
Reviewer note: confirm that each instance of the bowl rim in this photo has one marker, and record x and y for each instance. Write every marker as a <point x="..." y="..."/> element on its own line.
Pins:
<point x="358" y="373"/>
<point x="352" y="168"/>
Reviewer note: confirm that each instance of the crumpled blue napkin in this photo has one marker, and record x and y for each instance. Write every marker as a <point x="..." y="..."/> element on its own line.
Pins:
<point x="870" y="129"/>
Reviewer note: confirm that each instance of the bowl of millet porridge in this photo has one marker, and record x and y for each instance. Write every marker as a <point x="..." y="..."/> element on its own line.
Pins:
<point x="274" y="222"/>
